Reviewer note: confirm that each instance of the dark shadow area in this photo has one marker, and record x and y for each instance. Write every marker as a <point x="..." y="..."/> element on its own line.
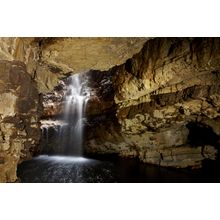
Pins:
<point x="109" y="169"/>
<point x="200" y="135"/>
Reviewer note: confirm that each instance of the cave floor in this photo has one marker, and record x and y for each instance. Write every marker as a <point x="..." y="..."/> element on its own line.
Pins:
<point x="108" y="169"/>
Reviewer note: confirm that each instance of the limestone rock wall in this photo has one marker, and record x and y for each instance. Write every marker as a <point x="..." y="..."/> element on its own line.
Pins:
<point x="171" y="84"/>
<point x="31" y="66"/>
<point x="49" y="59"/>
<point x="99" y="86"/>
<point x="60" y="57"/>
<point x="24" y="49"/>
<point x="20" y="108"/>
<point x="156" y="99"/>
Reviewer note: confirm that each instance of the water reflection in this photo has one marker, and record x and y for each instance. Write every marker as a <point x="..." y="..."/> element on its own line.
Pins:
<point x="64" y="169"/>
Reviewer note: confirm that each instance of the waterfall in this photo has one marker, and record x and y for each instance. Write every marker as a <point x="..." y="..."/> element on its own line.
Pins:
<point x="64" y="136"/>
<point x="75" y="104"/>
<point x="44" y="134"/>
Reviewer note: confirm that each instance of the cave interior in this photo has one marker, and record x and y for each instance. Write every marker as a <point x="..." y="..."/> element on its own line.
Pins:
<point x="109" y="109"/>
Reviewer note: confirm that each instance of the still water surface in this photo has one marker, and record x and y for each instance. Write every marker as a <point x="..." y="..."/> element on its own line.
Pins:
<point x="67" y="169"/>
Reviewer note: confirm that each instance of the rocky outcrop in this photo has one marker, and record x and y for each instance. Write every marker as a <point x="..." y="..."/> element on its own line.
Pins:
<point x="19" y="117"/>
<point x="170" y="84"/>
<point x="53" y="102"/>
<point x="53" y="139"/>
<point x="24" y="49"/>
<point x="98" y="85"/>
<point x="50" y="59"/>
<point x="61" y="57"/>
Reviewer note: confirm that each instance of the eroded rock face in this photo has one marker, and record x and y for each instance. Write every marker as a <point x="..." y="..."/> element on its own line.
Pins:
<point x="98" y="85"/>
<point x="171" y="83"/>
<point x="50" y="59"/>
<point x="62" y="56"/>
<point x="24" y="49"/>
<point x="152" y="100"/>
<point x="154" y="103"/>
<point x="19" y="117"/>
<point x="45" y="61"/>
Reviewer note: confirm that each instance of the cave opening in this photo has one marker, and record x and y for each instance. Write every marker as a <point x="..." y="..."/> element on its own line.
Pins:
<point x="201" y="135"/>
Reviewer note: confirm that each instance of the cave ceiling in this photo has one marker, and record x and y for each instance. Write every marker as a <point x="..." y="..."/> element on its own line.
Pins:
<point x="50" y="59"/>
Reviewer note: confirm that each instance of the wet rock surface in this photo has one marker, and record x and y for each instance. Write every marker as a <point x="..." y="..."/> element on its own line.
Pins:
<point x="101" y="96"/>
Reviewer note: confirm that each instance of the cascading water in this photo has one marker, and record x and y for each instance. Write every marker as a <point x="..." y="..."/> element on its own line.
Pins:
<point x="44" y="134"/>
<point x="76" y="99"/>
<point x="62" y="138"/>
<point x="66" y="134"/>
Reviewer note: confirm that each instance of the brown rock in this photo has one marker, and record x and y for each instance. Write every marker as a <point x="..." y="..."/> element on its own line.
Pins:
<point x="158" y="92"/>
<point x="18" y="107"/>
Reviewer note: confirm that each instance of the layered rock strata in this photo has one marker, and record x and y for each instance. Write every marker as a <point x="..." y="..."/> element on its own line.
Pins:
<point x="170" y="84"/>
<point x="156" y="102"/>
<point x="101" y="93"/>
<point x="30" y="66"/>
<point x="60" y="57"/>
<point x="19" y="117"/>
<point x="159" y="102"/>
<point x="50" y="59"/>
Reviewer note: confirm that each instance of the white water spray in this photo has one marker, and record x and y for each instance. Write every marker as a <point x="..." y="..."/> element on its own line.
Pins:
<point x="75" y="104"/>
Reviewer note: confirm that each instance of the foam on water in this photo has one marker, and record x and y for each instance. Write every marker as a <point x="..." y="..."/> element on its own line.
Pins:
<point x="63" y="159"/>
